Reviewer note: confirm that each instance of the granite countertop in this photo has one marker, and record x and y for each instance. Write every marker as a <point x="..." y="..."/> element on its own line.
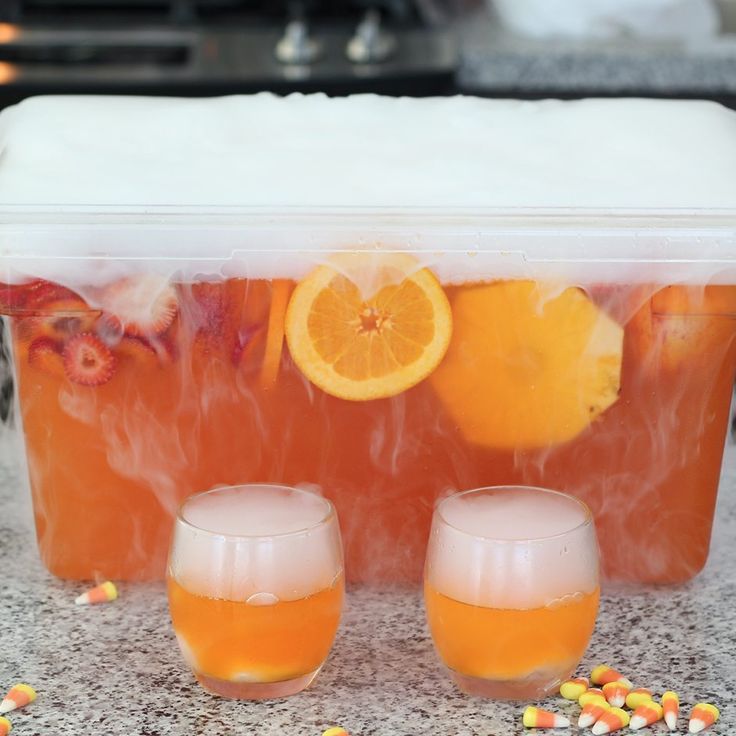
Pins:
<point x="115" y="669"/>
<point x="495" y="61"/>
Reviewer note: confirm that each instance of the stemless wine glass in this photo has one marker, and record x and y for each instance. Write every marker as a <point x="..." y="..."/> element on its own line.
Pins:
<point x="256" y="585"/>
<point x="511" y="588"/>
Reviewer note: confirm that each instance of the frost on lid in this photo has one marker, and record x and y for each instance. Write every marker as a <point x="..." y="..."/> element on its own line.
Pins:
<point x="367" y="150"/>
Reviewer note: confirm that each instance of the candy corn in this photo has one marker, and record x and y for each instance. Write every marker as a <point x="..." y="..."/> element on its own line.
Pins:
<point x="538" y="718"/>
<point x="101" y="594"/>
<point x="702" y="716"/>
<point x="336" y="731"/>
<point x="612" y="720"/>
<point x="671" y="707"/>
<point x="591" y="713"/>
<point x="5" y="726"/>
<point x="573" y="689"/>
<point x="616" y="693"/>
<point x="593" y="695"/>
<point x="604" y="674"/>
<point x="18" y="696"/>
<point x="637" y="697"/>
<point x="645" y="715"/>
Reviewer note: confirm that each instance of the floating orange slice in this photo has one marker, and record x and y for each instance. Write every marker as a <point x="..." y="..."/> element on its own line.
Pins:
<point x="525" y="368"/>
<point x="368" y="326"/>
<point x="275" y="336"/>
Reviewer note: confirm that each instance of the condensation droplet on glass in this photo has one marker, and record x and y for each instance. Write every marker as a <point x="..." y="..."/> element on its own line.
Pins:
<point x="262" y="599"/>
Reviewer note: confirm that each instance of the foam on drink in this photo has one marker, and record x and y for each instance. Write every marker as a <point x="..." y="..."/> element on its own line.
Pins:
<point x="514" y="548"/>
<point x="261" y="544"/>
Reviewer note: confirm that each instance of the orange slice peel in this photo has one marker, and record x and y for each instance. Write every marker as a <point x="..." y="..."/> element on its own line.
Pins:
<point x="275" y="337"/>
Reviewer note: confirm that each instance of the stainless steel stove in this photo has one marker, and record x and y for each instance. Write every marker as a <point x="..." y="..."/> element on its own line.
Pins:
<point x="213" y="47"/>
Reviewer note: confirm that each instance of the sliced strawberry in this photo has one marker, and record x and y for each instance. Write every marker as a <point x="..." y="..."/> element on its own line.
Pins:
<point x="144" y="305"/>
<point x="64" y="317"/>
<point x="45" y="354"/>
<point x="156" y="351"/>
<point x="109" y="330"/>
<point x="212" y="317"/>
<point x="12" y="297"/>
<point x="209" y="310"/>
<point x="40" y="294"/>
<point x="138" y="350"/>
<point x="88" y="361"/>
<point x="33" y="296"/>
<point x="228" y="317"/>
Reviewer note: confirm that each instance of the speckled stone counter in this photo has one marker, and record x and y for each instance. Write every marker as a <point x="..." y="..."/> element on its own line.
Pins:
<point x="115" y="669"/>
<point x="493" y="61"/>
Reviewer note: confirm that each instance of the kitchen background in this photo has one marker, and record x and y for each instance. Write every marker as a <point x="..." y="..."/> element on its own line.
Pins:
<point x="507" y="48"/>
<point x="499" y="48"/>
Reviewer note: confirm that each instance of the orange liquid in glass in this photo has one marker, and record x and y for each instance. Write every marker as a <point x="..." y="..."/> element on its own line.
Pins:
<point x="506" y="645"/>
<point x="109" y="464"/>
<point x="239" y="642"/>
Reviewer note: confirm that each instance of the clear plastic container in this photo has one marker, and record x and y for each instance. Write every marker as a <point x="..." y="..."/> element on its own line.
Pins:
<point x="384" y="354"/>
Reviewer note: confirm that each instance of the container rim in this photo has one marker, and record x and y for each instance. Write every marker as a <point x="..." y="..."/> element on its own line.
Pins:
<point x="328" y="517"/>
<point x="587" y="520"/>
<point x="452" y="215"/>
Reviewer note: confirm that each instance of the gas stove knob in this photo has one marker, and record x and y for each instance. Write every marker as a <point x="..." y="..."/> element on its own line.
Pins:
<point x="296" y="46"/>
<point x="370" y="44"/>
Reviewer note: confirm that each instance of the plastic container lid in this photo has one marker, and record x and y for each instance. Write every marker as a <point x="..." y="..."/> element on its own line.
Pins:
<point x="531" y="186"/>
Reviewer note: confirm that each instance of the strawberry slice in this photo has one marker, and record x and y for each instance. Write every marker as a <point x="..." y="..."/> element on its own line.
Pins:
<point x="229" y="317"/>
<point x="153" y="351"/>
<point x="143" y="305"/>
<point x="212" y="316"/>
<point x="45" y="354"/>
<point x="138" y="350"/>
<point x="88" y="361"/>
<point x="40" y="294"/>
<point x="64" y="317"/>
<point x="210" y="310"/>
<point x="33" y="296"/>
<point x="12" y="297"/>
